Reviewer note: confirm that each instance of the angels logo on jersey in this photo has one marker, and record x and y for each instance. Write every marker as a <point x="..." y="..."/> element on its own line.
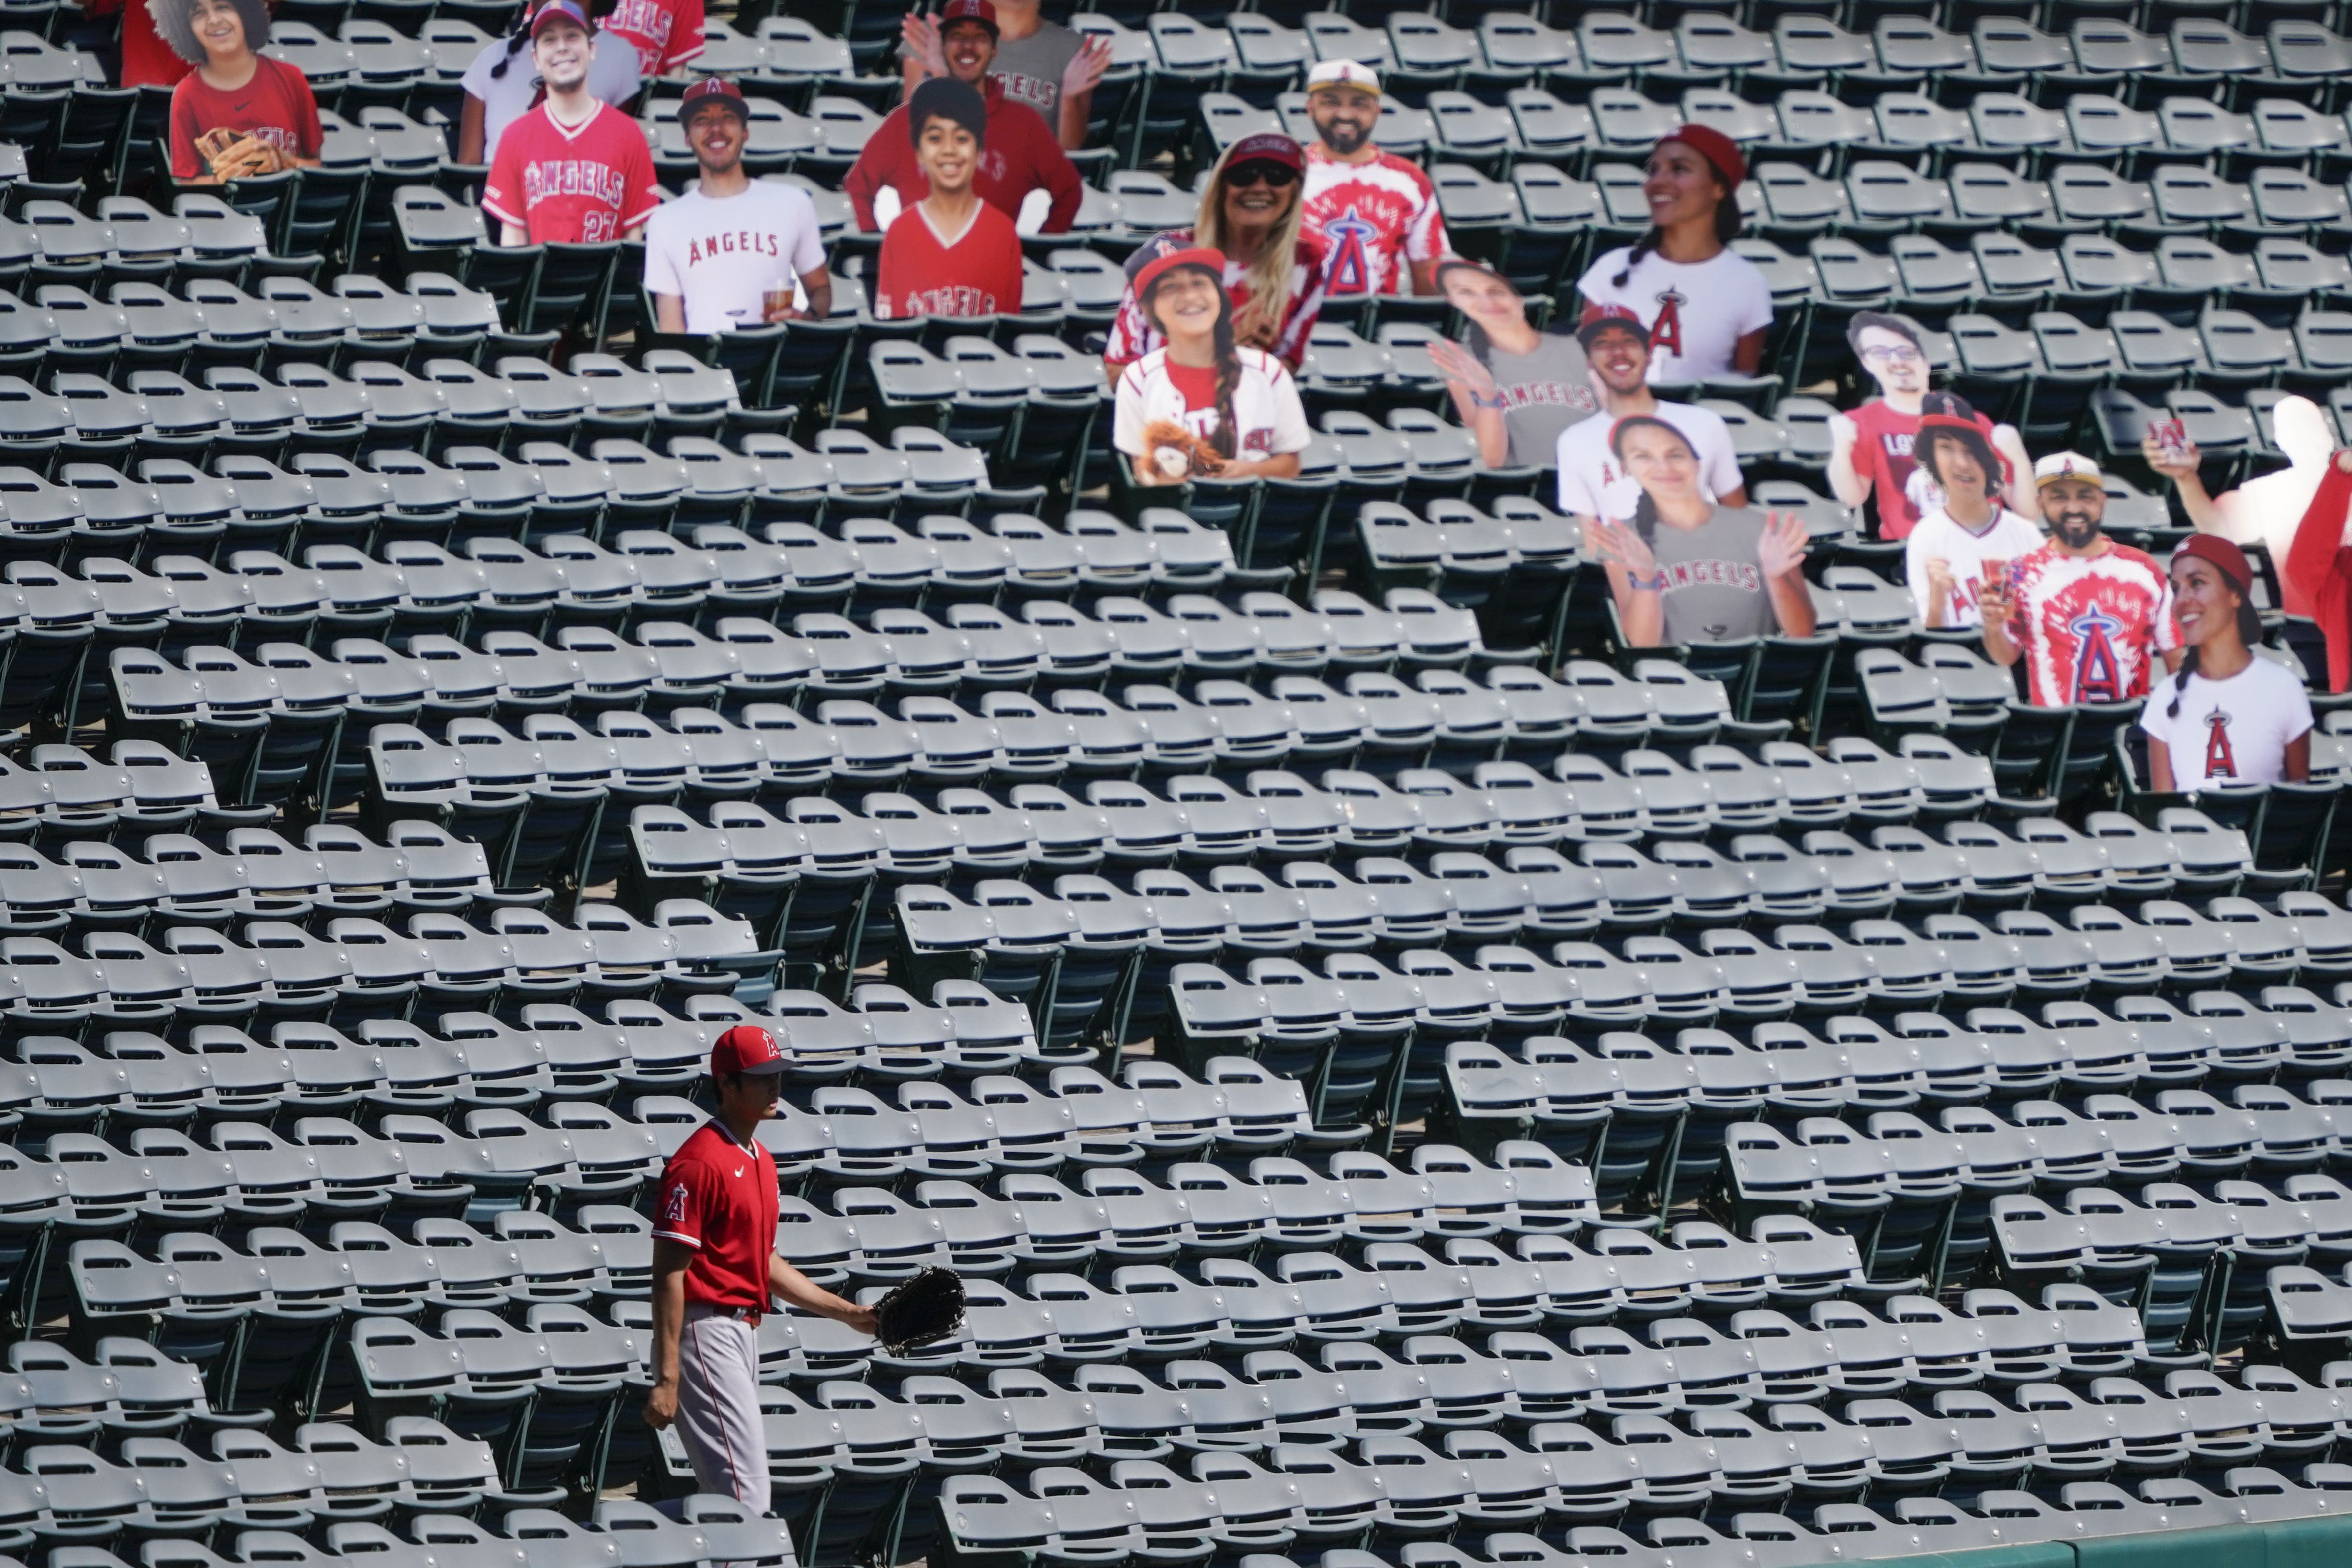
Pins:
<point x="1349" y="268"/>
<point x="2098" y="671"/>
<point x="2220" y="762"/>
<point x="1666" y="332"/>
<point x="673" y="1211"/>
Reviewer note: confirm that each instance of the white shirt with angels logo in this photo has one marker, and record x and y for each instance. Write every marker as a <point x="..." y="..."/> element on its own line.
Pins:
<point x="2229" y="732"/>
<point x="1697" y="311"/>
<point x="1265" y="406"/>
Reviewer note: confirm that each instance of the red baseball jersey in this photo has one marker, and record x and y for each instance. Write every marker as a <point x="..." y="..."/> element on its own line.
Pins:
<point x="976" y="274"/>
<point x="2091" y="627"/>
<point x="579" y="185"/>
<point x="1882" y="454"/>
<point x="666" y="33"/>
<point x="275" y="106"/>
<point x="1374" y="219"/>
<point x="718" y="1197"/>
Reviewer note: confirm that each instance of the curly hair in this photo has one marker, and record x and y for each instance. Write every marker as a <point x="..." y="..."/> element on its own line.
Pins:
<point x="175" y="21"/>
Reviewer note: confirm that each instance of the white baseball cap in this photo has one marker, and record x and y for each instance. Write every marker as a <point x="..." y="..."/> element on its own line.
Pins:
<point x="2064" y="466"/>
<point x="1343" y="73"/>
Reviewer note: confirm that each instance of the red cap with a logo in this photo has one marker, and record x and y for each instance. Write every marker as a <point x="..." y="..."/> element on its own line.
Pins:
<point x="712" y="90"/>
<point x="1599" y="316"/>
<point x="979" y="11"/>
<point x="746" y="1048"/>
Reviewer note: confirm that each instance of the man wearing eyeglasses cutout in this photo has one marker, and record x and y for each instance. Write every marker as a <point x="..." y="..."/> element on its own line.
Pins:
<point x="1870" y="448"/>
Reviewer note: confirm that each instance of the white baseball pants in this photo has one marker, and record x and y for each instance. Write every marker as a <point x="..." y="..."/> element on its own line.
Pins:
<point x="719" y="1406"/>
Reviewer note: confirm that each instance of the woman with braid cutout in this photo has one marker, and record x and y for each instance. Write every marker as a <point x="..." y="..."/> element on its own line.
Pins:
<point x="1706" y="306"/>
<point x="2228" y="715"/>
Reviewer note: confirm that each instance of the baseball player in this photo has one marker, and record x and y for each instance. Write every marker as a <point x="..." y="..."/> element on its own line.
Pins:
<point x="716" y="1274"/>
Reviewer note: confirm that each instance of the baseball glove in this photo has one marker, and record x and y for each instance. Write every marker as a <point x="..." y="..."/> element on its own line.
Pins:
<point x="928" y="1307"/>
<point x="1178" y="453"/>
<point x="235" y="156"/>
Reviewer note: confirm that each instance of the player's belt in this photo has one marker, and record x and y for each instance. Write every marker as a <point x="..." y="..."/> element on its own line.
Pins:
<point x="750" y="1315"/>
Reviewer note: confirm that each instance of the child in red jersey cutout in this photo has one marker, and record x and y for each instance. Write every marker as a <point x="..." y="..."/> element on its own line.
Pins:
<point x="2090" y="617"/>
<point x="949" y="254"/>
<point x="240" y="112"/>
<point x="2229" y="716"/>
<point x="575" y="171"/>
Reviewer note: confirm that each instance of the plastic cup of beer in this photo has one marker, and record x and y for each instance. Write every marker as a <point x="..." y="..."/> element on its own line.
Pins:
<point x="775" y="302"/>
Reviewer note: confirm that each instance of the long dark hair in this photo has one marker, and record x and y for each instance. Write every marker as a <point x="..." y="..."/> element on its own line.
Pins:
<point x="1227" y="436"/>
<point x="1923" y="452"/>
<point x="2249" y="632"/>
<point x="1727" y="224"/>
<point x="1645" y="511"/>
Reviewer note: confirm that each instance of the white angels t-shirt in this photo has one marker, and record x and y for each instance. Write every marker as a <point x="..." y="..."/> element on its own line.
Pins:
<point x="1593" y="483"/>
<point x="720" y="256"/>
<point x="612" y="79"/>
<point x="2229" y="732"/>
<point x="2008" y="537"/>
<point x="1266" y="407"/>
<point x="1697" y="311"/>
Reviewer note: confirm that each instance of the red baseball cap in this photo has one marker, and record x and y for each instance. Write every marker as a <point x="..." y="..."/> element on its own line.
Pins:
<point x="979" y="11"/>
<point x="1596" y="317"/>
<point x="2225" y="557"/>
<point x="746" y="1048"/>
<point x="559" y="11"/>
<point x="1715" y="147"/>
<point x="712" y="90"/>
<point x="1270" y="145"/>
<point x="1191" y="256"/>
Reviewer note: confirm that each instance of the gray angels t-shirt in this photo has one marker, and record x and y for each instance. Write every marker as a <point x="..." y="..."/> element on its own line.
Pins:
<point x="1544" y="392"/>
<point x="1031" y="68"/>
<point x="1715" y="592"/>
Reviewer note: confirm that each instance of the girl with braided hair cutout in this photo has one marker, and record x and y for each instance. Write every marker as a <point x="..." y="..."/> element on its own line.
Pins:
<point x="2227" y="715"/>
<point x="1706" y="306"/>
<point x="1683" y="569"/>
<point x="239" y="113"/>
<point x="1203" y="405"/>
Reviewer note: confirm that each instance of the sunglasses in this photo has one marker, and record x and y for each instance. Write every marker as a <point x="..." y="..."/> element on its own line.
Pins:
<point x="1261" y="171"/>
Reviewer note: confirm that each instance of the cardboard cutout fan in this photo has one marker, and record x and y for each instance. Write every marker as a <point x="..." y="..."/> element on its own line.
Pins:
<point x="927" y="1308"/>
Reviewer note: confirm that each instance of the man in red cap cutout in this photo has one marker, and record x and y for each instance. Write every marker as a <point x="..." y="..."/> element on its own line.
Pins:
<point x="1019" y="152"/>
<point x="1593" y="482"/>
<point x="716" y="1274"/>
<point x="575" y="171"/>
<point x="732" y="251"/>
<point x="1708" y="306"/>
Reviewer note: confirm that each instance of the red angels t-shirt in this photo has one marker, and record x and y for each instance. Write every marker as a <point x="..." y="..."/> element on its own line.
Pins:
<point x="577" y="185"/>
<point x="1882" y="454"/>
<point x="2091" y="627"/>
<point x="276" y="105"/>
<point x="718" y="1197"/>
<point x="976" y="274"/>
<point x="666" y="33"/>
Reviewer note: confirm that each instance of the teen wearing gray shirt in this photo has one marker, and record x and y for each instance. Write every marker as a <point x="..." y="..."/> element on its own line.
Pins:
<point x="1685" y="570"/>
